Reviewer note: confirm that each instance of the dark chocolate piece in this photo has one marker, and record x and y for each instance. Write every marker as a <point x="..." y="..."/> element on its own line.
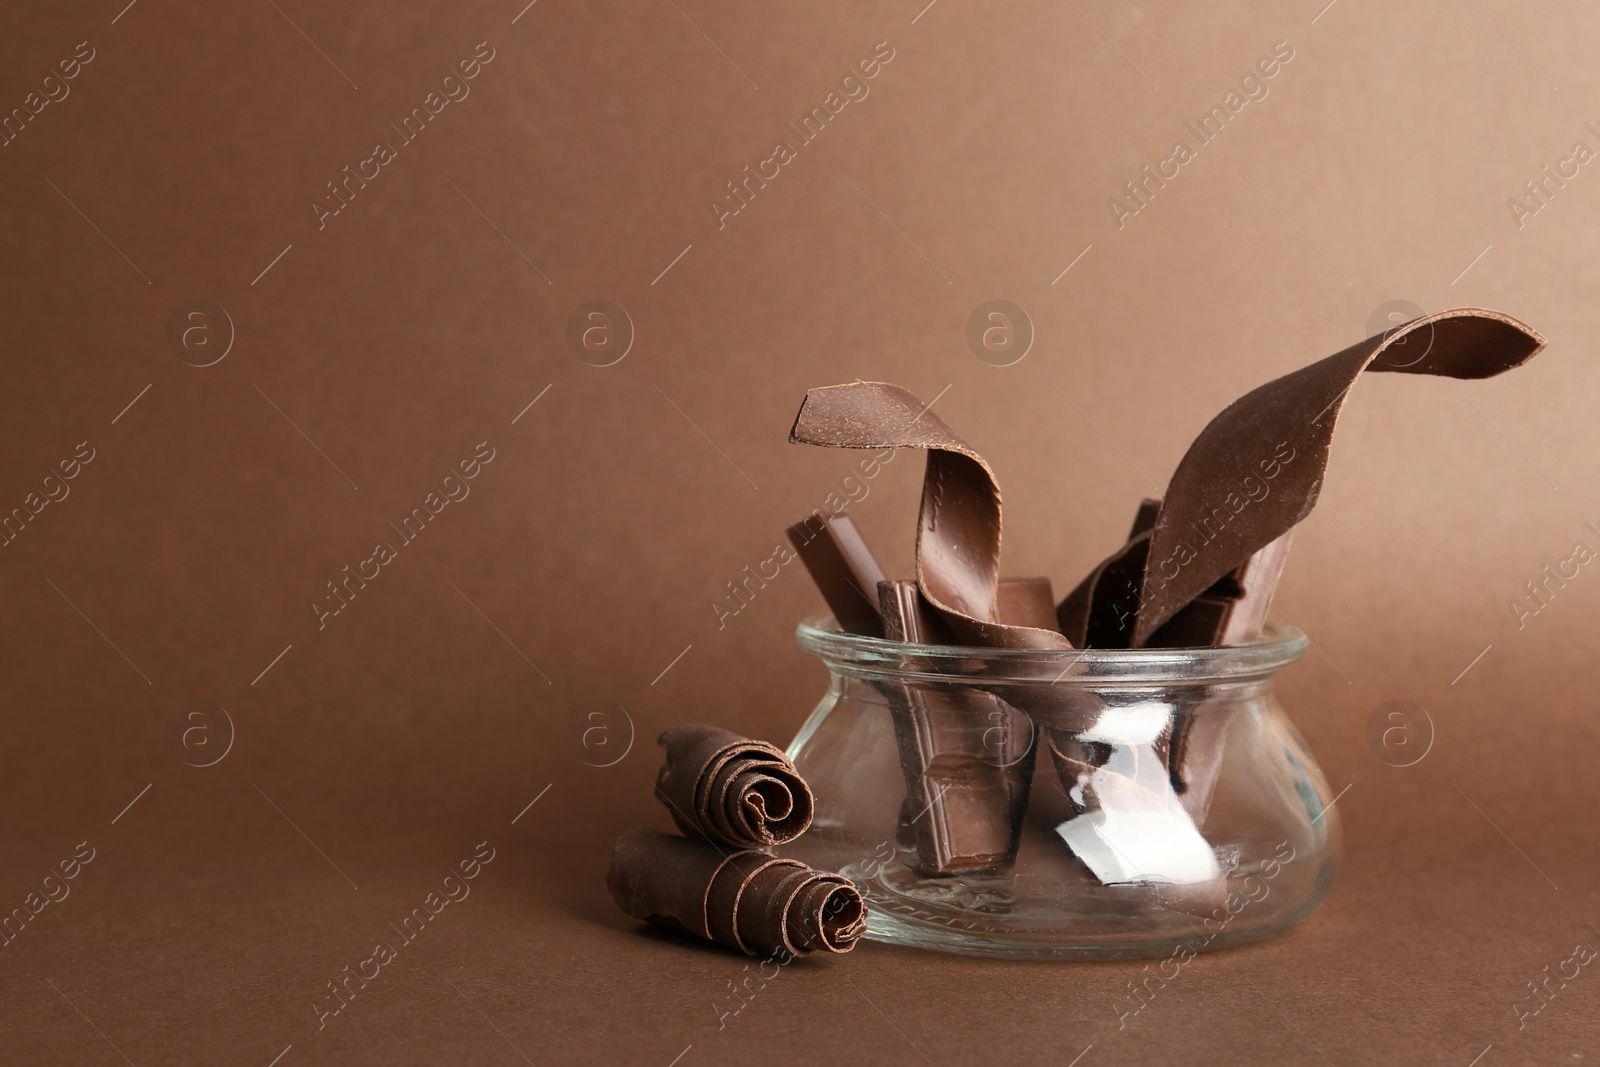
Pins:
<point x="1196" y="752"/>
<point x="958" y="530"/>
<point x="965" y="789"/>
<point x="1234" y="610"/>
<point x="1100" y="612"/>
<point x="845" y="571"/>
<point x="746" y="900"/>
<point x="731" y="789"/>
<point x="1145" y="518"/>
<point x="1257" y="468"/>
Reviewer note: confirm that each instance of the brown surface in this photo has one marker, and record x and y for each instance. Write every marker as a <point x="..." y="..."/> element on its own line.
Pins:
<point x="606" y="526"/>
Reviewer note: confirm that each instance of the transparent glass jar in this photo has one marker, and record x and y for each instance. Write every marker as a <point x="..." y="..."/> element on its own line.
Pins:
<point x="1085" y="803"/>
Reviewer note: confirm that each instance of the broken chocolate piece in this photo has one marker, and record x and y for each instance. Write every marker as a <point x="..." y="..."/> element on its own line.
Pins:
<point x="746" y="900"/>
<point x="1100" y="612"/>
<point x="965" y="789"/>
<point x="1234" y="610"/>
<point x="1257" y="468"/>
<point x="845" y="571"/>
<point x="1195" y="754"/>
<point x="731" y="789"/>
<point x="1145" y="518"/>
<point x="958" y="530"/>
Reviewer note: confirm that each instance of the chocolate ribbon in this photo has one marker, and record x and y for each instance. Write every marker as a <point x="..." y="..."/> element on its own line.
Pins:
<point x="1257" y="468"/>
<point x="731" y="789"/>
<point x="746" y="900"/>
<point x="958" y="529"/>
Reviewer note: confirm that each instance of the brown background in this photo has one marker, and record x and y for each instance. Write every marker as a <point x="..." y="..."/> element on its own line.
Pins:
<point x="408" y="330"/>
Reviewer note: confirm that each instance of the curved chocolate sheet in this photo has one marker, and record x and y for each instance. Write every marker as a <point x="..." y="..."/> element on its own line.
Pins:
<point x="1257" y="468"/>
<point x="746" y="900"/>
<point x="958" y="530"/>
<point x="731" y="789"/>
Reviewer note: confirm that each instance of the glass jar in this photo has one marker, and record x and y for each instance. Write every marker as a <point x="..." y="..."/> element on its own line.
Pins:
<point x="1090" y="803"/>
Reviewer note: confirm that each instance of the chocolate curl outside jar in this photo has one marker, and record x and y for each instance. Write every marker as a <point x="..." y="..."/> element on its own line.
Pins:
<point x="746" y="900"/>
<point x="958" y="528"/>
<point x="1276" y="439"/>
<point x="731" y="789"/>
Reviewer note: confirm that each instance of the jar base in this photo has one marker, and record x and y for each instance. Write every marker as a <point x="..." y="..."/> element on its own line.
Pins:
<point x="1001" y="916"/>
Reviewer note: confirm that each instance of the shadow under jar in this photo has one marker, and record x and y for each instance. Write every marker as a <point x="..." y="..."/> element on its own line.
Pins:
<point x="1080" y="804"/>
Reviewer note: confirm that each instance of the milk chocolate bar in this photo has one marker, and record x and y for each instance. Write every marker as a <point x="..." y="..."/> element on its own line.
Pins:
<point x="966" y="763"/>
<point x="1256" y="470"/>
<point x="844" y="569"/>
<point x="730" y="789"/>
<point x="746" y="900"/>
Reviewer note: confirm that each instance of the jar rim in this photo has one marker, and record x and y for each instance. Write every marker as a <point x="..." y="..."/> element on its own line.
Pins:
<point x="859" y="655"/>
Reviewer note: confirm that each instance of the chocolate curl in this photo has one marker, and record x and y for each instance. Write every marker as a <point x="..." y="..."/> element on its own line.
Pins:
<point x="731" y="789"/>
<point x="1278" y="437"/>
<point x="746" y="900"/>
<point x="958" y="530"/>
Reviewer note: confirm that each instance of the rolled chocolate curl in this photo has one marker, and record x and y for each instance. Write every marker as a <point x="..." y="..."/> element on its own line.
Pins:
<point x="731" y="789"/>
<point x="958" y="528"/>
<point x="1277" y="438"/>
<point x="746" y="900"/>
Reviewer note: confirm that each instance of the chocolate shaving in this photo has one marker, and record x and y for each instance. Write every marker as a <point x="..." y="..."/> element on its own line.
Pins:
<point x="958" y="529"/>
<point x="731" y="789"/>
<point x="746" y="900"/>
<point x="1275" y="441"/>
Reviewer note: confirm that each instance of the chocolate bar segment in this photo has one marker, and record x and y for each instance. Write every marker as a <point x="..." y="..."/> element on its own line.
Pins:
<point x="731" y="789"/>
<point x="746" y="900"/>
<point x="1145" y="518"/>
<point x="1100" y="612"/>
<point x="1195" y="754"/>
<point x="844" y="569"/>
<point x="1234" y="610"/>
<point x="964" y="802"/>
<point x="1256" y="470"/>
